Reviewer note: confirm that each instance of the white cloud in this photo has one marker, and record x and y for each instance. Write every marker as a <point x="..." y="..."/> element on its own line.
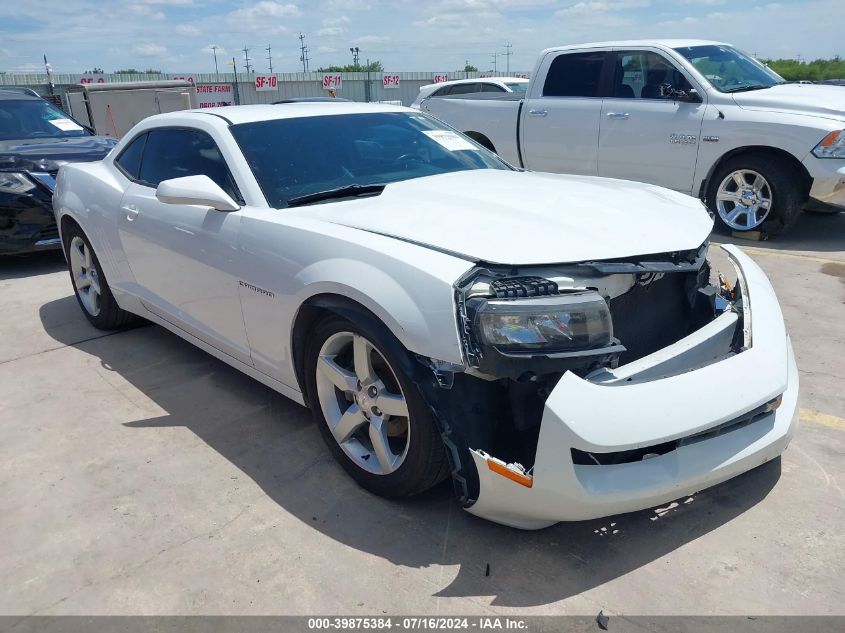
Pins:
<point x="370" y="40"/>
<point x="330" y="31"/>
<point x="149" y="49"/>
<point x="188" y="30"/>
<point x="326" y="49"/>
<point x="601" y="6"/>
<point x="210" y="50"/>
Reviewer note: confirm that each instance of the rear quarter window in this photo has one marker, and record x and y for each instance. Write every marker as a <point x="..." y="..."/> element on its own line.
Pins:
<point x="574" y="75"/>
<point x="129" y="161"/>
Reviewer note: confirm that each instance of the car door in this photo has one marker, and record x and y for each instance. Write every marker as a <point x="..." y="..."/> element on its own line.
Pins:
<point x="645" y="136"/>
<point x="182" y="256"/>
<point x="560" y="119"/>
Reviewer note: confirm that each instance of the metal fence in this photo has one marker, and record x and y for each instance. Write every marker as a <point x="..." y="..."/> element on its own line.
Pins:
<point x="359" y="86"/>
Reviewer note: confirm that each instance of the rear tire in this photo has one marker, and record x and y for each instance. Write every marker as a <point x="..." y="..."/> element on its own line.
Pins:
<point x="755" y="192"/>
<point x="351" y="370"/>
<point x="90" y="285"/>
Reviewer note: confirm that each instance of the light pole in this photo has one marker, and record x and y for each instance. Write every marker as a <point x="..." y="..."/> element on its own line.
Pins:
<point x="354" y="50"/>
<point x="216" y="71"/>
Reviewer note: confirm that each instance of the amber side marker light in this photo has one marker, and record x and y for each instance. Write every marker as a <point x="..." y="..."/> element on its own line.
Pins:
<point x="507" y="473"/>
<point x="830" y="139"/>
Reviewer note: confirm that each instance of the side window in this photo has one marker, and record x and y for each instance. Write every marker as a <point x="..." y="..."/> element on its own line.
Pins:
<point x="129" y="161"/>
<point x="178" y="152"/>
<point x="639" y="75"/>
<point x="442" y="92"/>
<point x="574" y="75"/>
<point x="491" y="88"/>
<point x="464" y="89"/>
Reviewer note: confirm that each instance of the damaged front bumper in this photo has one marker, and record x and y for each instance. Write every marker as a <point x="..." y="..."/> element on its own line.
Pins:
<point x="626" y="439"/>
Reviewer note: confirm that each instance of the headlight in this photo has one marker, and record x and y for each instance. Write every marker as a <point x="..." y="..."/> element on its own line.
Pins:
<point x="12" y="182"/>
<point x="562" y="323"/>
<point x="831" y="146"/>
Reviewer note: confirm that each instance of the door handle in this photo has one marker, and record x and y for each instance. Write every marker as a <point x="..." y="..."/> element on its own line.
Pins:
<point x="617" y="115"/>
<point x="131" y="211"/>
<point x="537" y="112"/>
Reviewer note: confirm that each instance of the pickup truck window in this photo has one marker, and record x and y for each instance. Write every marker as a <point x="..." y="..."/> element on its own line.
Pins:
<point x="574" y="75"/>
<point x="639" y="75"/>
<point x="729" y="70"/>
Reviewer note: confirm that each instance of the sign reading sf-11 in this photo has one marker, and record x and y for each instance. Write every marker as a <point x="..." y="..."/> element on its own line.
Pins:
<point x="332" y="81"/>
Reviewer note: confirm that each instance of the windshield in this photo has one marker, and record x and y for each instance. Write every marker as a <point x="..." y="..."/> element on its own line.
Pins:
<point x="522" y="86"/>
<point x="729" y="70"/>
<point x="34" y="118"/>
<point x="301" y="156"/>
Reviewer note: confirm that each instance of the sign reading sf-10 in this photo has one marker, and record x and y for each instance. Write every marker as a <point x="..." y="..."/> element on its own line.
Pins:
<point x="266" y="82"/>
<point x="332" y="82"/>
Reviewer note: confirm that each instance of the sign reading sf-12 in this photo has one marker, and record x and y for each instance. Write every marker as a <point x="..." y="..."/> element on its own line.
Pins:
<point x="332" y="82"/>
<point x="266" y="82"/>
<point x="390" y="80"/>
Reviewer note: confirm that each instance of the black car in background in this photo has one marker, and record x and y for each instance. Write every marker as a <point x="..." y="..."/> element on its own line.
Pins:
<point x="36" y="138"/>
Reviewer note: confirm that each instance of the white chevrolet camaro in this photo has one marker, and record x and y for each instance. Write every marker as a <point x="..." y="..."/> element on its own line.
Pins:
<point x="557" y="345"/>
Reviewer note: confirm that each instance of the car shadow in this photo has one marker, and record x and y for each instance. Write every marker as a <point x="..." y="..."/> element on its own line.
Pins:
<point x="274" y="442"/>
<point x="813" y="232"/>
<point x="31" y="264"/>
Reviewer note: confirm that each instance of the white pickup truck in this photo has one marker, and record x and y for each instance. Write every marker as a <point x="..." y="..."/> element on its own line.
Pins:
<point x="695" y="116"/>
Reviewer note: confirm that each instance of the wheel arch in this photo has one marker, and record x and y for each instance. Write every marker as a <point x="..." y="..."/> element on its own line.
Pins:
<point x="481" y="139"/>
<point x="319" y="306"/>
<point x="765" y="150"/>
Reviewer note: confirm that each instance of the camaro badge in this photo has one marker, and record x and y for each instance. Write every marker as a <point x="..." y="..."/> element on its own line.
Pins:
<point x="266" y="293"/>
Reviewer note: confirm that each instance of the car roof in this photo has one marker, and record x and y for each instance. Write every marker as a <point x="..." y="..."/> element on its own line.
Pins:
<point x="18" y="94"/>
<point x="668" y="43"/>
<point x="236" y="115"/>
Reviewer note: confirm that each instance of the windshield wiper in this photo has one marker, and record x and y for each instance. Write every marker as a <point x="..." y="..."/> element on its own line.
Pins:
<point x="748" y="88"/>
<point x="349" y="191"/>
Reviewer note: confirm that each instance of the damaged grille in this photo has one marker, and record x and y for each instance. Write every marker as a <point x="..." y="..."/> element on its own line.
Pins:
<point x="652" y="315"/>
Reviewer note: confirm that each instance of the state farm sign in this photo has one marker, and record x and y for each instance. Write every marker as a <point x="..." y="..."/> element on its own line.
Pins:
<point x="214" y="95"/>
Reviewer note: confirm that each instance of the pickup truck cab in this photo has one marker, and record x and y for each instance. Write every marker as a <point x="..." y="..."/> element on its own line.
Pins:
<point x="695" y="116"/>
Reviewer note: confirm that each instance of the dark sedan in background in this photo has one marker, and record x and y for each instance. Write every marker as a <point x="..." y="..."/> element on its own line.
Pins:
<point x="36" y="138"/>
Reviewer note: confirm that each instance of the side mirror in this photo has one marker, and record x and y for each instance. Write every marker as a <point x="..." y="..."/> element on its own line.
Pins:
<point x="199" y="190"/>
<point x="667" y="91"/>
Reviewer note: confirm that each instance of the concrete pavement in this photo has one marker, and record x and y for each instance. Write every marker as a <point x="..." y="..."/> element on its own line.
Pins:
<point x="139" y="475"/>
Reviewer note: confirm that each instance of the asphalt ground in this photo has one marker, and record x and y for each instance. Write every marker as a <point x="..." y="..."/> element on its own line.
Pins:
<point x="139" y="475"/>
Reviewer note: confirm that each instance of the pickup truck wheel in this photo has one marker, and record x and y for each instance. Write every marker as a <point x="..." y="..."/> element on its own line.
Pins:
<point x="755" y="193"/>
<point x="90" y="284"/>
<point x="369" y="412"/>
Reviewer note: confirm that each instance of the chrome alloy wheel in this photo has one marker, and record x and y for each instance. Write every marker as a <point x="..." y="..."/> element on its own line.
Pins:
<point x="744" y="199"/>
<point x="362" y="403"/>
<point x="85" y="275"/>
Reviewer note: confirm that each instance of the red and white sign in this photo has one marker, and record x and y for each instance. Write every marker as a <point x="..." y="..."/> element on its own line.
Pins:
<point x="188" y="78"/>
<point x="332" y="82"/>
<point x="264" y="83"/>
<point x="390" y="81"/>
<point x="440" y="78"/>
<point x="214" y="95"/>
<point x="92" y="79"/>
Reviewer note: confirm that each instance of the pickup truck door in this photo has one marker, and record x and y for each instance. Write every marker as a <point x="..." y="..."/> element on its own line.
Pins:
<point x="183" y="256"/>
<point x="561" y="117"/>
<point x="645" y="136"/>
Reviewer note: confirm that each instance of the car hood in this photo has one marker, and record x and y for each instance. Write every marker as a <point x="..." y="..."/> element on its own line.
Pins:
<point x="41" y="154"/>
<point x="810" y="99"/>
<point x="523" y="218"/>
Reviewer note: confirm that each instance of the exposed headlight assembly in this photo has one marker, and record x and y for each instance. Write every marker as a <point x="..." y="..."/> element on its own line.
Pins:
<point x="831" y="146"/>
<point x="543" y="334"/>
<point x="13" y="182"/>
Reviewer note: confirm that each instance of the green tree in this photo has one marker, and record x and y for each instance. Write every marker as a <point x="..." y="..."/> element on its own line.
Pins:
<point x="816" y="70"/>
<point x="469" y="68"/>
<point x="373" y="67"/>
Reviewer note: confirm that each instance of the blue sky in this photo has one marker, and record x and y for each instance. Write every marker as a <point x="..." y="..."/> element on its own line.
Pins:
<point x="434" y="35"/>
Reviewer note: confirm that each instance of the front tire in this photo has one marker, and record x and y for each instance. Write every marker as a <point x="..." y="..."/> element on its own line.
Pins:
<point x="755" y="192"/>
<point x="369" y="411"/>
<point x="90" y="285"/>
